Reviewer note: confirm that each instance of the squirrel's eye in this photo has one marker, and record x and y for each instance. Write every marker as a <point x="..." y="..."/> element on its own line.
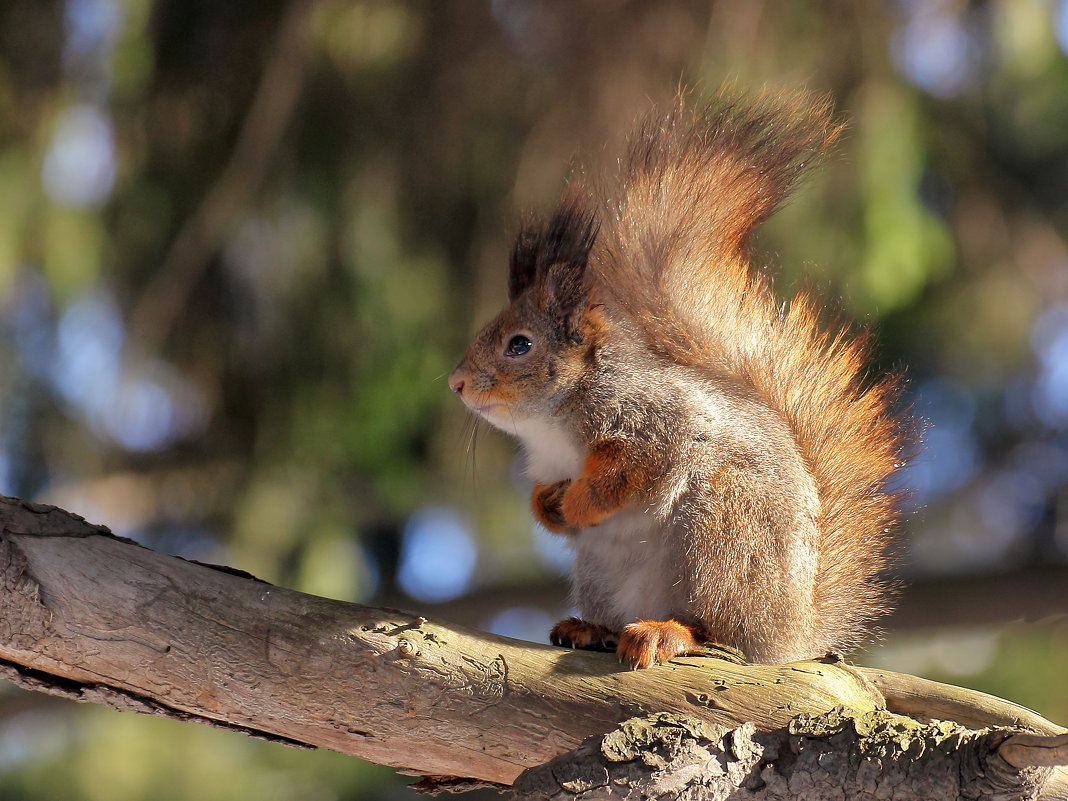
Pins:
<point x="519" y="345"/>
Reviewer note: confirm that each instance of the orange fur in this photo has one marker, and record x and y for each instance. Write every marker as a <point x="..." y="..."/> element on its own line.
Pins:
<point x="648" y="641"/>
<point x="545" y="500"/>
<point x="608" y="481"/>
<point x="610" y="478"/>
<point x="687" y="198"/>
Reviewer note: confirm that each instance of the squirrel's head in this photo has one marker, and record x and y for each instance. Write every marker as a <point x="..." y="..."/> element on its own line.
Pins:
<point x="521" y="366"/>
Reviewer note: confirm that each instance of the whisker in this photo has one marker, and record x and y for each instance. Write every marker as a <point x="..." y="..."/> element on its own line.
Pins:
<point x="473" y="450"/>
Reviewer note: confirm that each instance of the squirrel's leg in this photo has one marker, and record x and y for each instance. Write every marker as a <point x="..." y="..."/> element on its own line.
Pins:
<point x="609" y="479"/>
<point x="648" y="641"/>
<point x="576" y="633"/>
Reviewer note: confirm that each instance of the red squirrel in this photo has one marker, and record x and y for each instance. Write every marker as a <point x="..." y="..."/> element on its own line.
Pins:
<point x="718" y="461"/>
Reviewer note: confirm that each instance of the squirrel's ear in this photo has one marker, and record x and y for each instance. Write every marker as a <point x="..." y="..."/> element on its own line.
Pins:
<point x="566" y="292"/>
<point x="523" y="264"/>
<point x="564" y="256"/>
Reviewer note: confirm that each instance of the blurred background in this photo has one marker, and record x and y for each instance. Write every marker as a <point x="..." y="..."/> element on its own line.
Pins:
<point x="243" y="243"/>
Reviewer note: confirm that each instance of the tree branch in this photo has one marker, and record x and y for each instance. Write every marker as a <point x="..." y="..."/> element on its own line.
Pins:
<point x="1024" y="750"/>
<point x="836" y="755"/>
<point x="93" y="617"/>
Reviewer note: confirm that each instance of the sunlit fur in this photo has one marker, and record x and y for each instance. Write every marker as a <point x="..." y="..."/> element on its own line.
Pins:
<point x="717" y="458"/>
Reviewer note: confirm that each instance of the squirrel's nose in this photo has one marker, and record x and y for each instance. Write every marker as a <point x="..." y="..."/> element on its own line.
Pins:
<point x="456" y="383"/>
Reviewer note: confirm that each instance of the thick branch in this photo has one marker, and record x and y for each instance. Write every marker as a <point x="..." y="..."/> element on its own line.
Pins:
<point x="91" y="616"/>
<point x="838" y="755"/>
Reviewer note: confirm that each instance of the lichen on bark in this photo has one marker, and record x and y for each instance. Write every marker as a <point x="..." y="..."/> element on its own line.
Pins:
<point x="838" y="755"/>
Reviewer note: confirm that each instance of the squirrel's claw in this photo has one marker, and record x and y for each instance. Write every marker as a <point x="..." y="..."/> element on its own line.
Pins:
<point x="578" y="633"/>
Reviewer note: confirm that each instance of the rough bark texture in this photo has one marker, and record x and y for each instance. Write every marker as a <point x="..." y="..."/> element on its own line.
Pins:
<point x="835" y="756"/>
<point x="89" y="616"/>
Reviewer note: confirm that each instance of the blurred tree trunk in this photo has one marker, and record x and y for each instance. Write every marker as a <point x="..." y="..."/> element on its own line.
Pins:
<point x="96" y="618"/>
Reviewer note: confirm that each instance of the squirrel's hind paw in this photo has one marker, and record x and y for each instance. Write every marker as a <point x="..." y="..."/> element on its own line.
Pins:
<point x="576" y="633"/>
<point x="648" y="641"/>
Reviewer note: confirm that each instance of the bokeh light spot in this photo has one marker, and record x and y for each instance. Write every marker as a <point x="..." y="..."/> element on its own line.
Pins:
<point x="79" y="168"/>
<point x="438" y="555"/>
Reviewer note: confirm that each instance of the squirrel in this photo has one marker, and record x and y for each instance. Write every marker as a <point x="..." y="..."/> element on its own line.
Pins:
<point x="719" y="462"/>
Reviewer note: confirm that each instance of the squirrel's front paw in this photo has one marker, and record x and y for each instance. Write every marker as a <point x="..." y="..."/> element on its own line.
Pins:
<point x="547" y="500"/>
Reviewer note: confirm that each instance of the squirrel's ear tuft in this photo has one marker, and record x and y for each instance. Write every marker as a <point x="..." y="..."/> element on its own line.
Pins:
<point x="563" y="259"/>
<point x="523" y="264"/>
<point x="563" y="244"/>
<point x="566" y="291"/>
<point x="571" y="231"/>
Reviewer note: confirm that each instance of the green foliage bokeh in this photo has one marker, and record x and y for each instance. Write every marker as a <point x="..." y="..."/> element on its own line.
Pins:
<point x="293" y="275"/>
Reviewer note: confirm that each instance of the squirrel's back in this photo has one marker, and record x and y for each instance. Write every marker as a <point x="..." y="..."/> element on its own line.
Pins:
<point x="673" y="254"/>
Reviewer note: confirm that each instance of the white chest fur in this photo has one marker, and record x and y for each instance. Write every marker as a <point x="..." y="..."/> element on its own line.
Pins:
<point x="552" y="452"/>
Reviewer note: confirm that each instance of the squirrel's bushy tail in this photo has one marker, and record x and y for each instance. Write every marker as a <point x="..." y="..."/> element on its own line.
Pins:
<point x="673" y="252"/>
